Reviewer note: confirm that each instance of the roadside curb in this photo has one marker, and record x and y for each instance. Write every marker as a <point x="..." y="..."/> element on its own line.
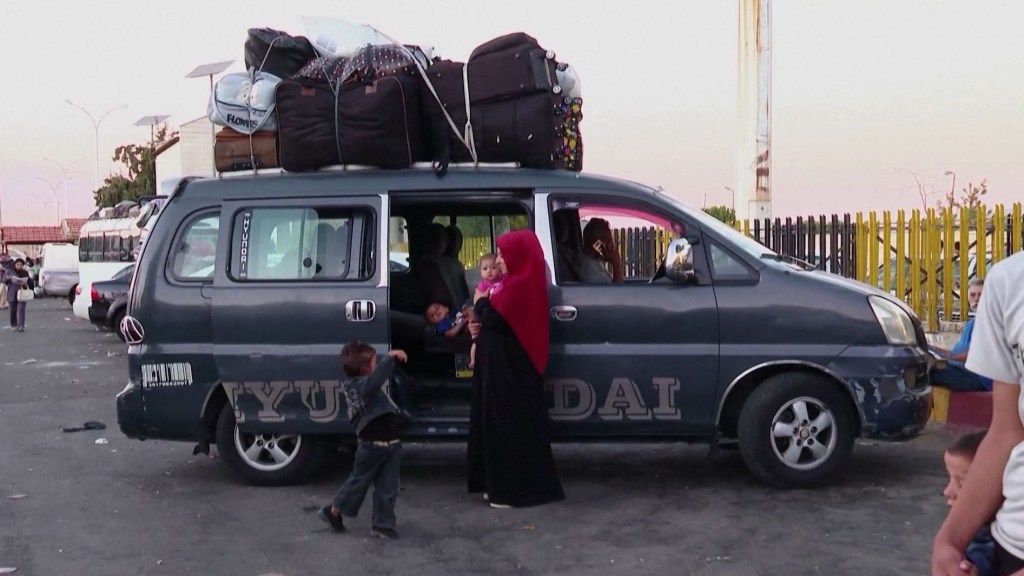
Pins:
<point x="961" y="410"/>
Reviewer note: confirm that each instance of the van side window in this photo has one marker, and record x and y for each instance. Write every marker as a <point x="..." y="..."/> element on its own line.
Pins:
<point x="604" y="242"/>
<point x="195" y="251"/>
<point x="725" y="266"/>
<point x="299" y="244"/>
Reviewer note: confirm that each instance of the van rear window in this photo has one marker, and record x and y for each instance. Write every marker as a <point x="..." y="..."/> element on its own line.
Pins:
<point x="296" y="244"/>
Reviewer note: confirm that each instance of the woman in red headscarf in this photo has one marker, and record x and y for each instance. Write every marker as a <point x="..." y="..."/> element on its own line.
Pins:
<point x="509" y="451"/>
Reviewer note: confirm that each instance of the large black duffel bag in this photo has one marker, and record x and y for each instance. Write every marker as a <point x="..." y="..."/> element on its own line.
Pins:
<point x="305" y="125"/>
<point x="277" y="52"/>
<point x="374" y="123"/>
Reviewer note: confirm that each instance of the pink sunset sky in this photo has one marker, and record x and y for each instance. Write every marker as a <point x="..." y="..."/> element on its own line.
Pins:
<point x="861" y="89"/>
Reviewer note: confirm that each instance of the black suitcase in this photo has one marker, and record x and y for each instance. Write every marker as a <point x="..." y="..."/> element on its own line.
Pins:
<point x="510" y="66"/>
<point x="538" y="129"/>
<point x="305" y="125"/>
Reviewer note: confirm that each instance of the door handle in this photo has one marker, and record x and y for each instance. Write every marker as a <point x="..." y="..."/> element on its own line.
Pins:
<point x="563" y="313"/>
<point x="360" y="310"/>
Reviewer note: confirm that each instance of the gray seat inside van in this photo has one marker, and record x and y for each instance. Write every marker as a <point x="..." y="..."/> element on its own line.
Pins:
<point x="443" y="274"/>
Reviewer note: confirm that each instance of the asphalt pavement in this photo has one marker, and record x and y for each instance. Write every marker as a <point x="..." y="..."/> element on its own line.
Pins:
<point x="96" y="503"/>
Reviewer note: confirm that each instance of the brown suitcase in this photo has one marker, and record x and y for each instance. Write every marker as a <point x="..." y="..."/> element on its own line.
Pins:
<point x="232" y="152"/>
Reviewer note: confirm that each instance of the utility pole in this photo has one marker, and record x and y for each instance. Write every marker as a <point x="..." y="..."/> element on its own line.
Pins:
<point x="753" y="151"/>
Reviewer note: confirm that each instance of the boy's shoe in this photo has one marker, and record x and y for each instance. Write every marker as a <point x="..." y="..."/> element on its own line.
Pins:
<point x="385" y="533"/>
<point x="336" y="523"/>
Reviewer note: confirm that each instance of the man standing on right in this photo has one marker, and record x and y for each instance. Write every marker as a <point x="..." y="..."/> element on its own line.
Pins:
<point x="994" y="486"/>
<point x="955" y="375"/>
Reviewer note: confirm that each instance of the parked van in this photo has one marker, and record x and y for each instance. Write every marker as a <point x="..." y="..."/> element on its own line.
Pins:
<point x="58" y="275"/>
<point x="247" y="288"/>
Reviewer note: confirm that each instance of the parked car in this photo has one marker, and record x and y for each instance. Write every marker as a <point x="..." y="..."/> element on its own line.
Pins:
<point x="110" y="301"/>
<point x="721" y="341"/>
<point x="58" y="275"/>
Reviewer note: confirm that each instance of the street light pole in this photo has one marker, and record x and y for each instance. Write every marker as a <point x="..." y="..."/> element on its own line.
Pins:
<point x="64" y="182"/>
<point x="96" y="135"/>
<point x="952" y="186"/>
<point x="53" y="194"/>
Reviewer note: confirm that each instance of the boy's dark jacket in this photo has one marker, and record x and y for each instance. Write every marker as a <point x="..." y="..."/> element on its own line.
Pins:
<point x="366" y="397"/>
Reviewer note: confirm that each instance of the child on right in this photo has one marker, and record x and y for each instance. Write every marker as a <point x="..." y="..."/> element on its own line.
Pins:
<point x="958" y="458"/>
<point x="490" y="276"/>
<point x="490" y="282"/>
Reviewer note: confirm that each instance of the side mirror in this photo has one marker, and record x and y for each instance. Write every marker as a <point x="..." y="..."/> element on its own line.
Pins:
<point x="679" y="261"/>
<point x="148" y="212"/>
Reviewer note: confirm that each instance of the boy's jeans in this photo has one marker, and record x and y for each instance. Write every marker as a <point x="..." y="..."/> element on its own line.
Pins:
<point x="376" y="463"/>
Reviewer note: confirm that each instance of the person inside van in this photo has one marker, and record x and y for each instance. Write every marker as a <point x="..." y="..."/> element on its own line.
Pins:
<point x="599" y="253"/>
<point x="954" y="375"/>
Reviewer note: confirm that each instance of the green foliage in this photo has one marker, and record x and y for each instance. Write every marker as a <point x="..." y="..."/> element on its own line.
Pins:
<point x="141" y="173"/>
<point x="723" y="213"/>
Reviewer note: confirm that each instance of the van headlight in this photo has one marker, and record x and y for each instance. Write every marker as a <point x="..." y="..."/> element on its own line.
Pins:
<point x="896" y="324"/>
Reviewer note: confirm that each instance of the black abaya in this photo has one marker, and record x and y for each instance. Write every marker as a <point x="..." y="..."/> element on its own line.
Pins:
<point x="509" y="448"/>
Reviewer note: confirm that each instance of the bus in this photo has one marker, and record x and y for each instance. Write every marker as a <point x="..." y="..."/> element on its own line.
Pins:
<point x="108" y="243"/>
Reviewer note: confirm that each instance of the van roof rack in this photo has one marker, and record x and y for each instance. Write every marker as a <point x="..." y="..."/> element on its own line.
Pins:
<point x="360" y="167"/>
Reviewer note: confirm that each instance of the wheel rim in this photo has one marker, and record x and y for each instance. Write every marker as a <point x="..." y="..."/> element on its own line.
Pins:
<point x="267" y="452"/>
<point x="803" y="433"/>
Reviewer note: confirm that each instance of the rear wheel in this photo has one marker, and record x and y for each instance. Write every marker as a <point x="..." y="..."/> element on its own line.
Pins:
<point x="265" y="459"/>
<point x="115" y="324"/>
<point x="71" y="294"/>
<point x="796" y="430"/>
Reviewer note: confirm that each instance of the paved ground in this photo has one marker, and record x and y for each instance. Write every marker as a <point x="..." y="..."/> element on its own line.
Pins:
<point x="129" y="507"/>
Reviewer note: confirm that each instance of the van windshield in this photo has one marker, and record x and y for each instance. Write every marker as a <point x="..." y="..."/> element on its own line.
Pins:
<point x="728" y="233"/>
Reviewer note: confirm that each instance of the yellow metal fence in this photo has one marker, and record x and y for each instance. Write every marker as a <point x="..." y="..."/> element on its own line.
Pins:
<point x="927" y="258"/>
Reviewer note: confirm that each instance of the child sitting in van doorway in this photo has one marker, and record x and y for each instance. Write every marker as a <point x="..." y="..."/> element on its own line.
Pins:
<point x="376" y="421"/>
<point x="444" y="322"/>
<point x="980" y="554"/>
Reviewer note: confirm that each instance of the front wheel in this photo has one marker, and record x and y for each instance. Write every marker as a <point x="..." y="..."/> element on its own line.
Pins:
<point x="265" y="459"/>
<point x="796" y="430"/>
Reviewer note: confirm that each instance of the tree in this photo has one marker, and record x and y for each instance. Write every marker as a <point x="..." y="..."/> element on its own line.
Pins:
<point x="723" y="213"/>
<point x="140" y="180"/>
<point x="970" y="197"/>
<point x="925" y="190"/>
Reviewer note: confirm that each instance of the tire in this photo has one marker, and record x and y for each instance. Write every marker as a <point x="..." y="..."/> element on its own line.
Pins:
<point x="781" y="452"/>
<point x="115" y="324"/>
<point x="71" y="295"/>
<point x="300" y="454"/>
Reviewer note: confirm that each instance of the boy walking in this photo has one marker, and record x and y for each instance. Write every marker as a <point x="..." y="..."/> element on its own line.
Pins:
<point x="375" y="418"/>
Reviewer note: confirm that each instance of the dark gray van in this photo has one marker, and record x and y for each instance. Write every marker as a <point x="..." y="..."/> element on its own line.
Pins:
<point x="248" y="287"/>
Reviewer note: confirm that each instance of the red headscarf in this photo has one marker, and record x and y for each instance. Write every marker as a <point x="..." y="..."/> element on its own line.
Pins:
<point x="523" y="298"/>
